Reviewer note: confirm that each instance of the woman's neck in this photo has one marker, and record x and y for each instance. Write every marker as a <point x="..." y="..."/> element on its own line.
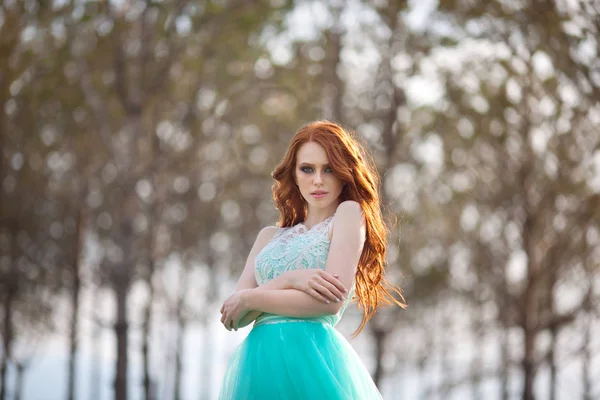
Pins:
<point x="316" y="216"/>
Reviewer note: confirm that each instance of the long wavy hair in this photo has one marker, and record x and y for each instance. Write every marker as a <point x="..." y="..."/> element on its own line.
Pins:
<point x="351" y="164"/>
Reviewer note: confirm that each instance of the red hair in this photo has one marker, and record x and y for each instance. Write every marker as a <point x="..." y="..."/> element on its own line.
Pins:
<point x="348" y="160"/>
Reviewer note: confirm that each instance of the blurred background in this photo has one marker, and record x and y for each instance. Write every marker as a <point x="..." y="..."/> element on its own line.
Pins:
<point x="137" y="141"/>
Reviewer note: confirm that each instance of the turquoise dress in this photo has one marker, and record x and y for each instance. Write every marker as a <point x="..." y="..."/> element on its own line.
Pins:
<point x="296" y="358"/>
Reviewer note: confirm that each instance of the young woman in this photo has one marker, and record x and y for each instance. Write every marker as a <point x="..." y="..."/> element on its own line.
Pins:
<point x="299" y="277"/>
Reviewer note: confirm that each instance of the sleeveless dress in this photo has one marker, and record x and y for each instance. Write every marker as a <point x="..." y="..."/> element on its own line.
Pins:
<point x="296" y="358"/>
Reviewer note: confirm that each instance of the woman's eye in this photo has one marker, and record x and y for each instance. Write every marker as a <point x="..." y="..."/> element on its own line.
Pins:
<point x="310" y="169"/>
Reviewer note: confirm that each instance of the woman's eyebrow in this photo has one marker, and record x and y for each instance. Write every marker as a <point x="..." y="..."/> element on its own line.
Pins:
<point x="312" y="165"/>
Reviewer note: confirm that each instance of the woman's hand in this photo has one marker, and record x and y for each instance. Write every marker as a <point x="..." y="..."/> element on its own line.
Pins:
<point x="234" y="309"/>
<point x="320" y="284"/>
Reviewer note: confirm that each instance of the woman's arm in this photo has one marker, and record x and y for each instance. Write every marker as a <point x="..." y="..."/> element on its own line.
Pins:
<point x="323" y="282"/>
<point x="289" y="302"/>
<point x="318" y="284"/>
<point x="244" y="306"/>
<point x="247" y="280"/>
<point x="342" y="260"/>
<point x="345" y="249"/>
<point x="321" y="285"/>
<point x="282" y="282"/>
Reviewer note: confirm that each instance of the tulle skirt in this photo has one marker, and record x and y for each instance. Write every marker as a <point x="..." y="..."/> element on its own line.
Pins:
<point x="296" y="360"/>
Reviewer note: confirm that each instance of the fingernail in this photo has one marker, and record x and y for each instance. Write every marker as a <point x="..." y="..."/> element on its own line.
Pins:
<point x="337" y="300"/>
<point x="328" y="302"/>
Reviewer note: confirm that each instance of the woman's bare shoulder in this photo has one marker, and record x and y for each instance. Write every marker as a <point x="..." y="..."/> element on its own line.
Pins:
<point x="348" y="206"/>
<point x="266" y="234"/>
<point x="349" y="218"/>
<point x="350" y="209"/>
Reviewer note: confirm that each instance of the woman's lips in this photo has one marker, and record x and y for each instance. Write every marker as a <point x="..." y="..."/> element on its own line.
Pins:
<point x="319" y="195"/>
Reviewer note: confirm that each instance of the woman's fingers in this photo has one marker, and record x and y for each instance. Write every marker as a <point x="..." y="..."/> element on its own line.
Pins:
<point x="314" y="293"/>
<point x="327" y="290"/>
<point x="225" y="320"/>
<point x="334" y="280"/>
<point x="332" y="289"/>
<point x="235" y="321"/>
<point x="324" y="294"/>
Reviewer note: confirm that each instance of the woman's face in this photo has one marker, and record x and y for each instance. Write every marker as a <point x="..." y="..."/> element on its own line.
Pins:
<point x="318" y="184"/>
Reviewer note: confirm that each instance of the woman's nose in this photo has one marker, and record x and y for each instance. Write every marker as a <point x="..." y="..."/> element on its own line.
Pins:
<point x="318" y="177"/>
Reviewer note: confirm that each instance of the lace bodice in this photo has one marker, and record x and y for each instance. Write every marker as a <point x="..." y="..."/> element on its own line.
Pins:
<point x="294" y="248"/>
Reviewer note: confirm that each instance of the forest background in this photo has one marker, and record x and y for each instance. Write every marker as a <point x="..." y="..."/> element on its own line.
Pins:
<point x="137" y="139"/>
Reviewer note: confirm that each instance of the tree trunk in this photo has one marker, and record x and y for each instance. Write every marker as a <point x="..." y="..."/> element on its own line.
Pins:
<point x="73" y="337"/>
<point x="390" y="142"/>
<point x="178" y="362"/>
<point x="477" y="362"/>
<point x="552" y="363"/>
<point x="96" y="371"/>
<point x="75" y="292"/>
<point x="181" y="326"/>
<point x="379" y="335"/>
<point x="587" y="360"/>
<point x="153" y="216"/>
<point x="148" y="395"/>
<point x="528" y="363"/>
<point x="505" y="367"/>
<point x="11" y="289"/>
<point x="445" y="345"/>
<point x="121" y="286"/>
<point x="530" y="301"/>
<point x="123" y="270"/>
<point x="7" y="336"/>
<point x="19" y="383"/>
<point x="121" y="332"/>
<point x="421" y="380"/>
<point x="207" y="350"/>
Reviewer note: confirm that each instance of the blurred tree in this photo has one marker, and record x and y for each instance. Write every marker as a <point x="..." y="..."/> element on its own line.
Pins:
<point x="515" y="127"/>
<point x="36" y="229"/>
<point x="150" y="129"/>
<point x="156" y="51"/>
